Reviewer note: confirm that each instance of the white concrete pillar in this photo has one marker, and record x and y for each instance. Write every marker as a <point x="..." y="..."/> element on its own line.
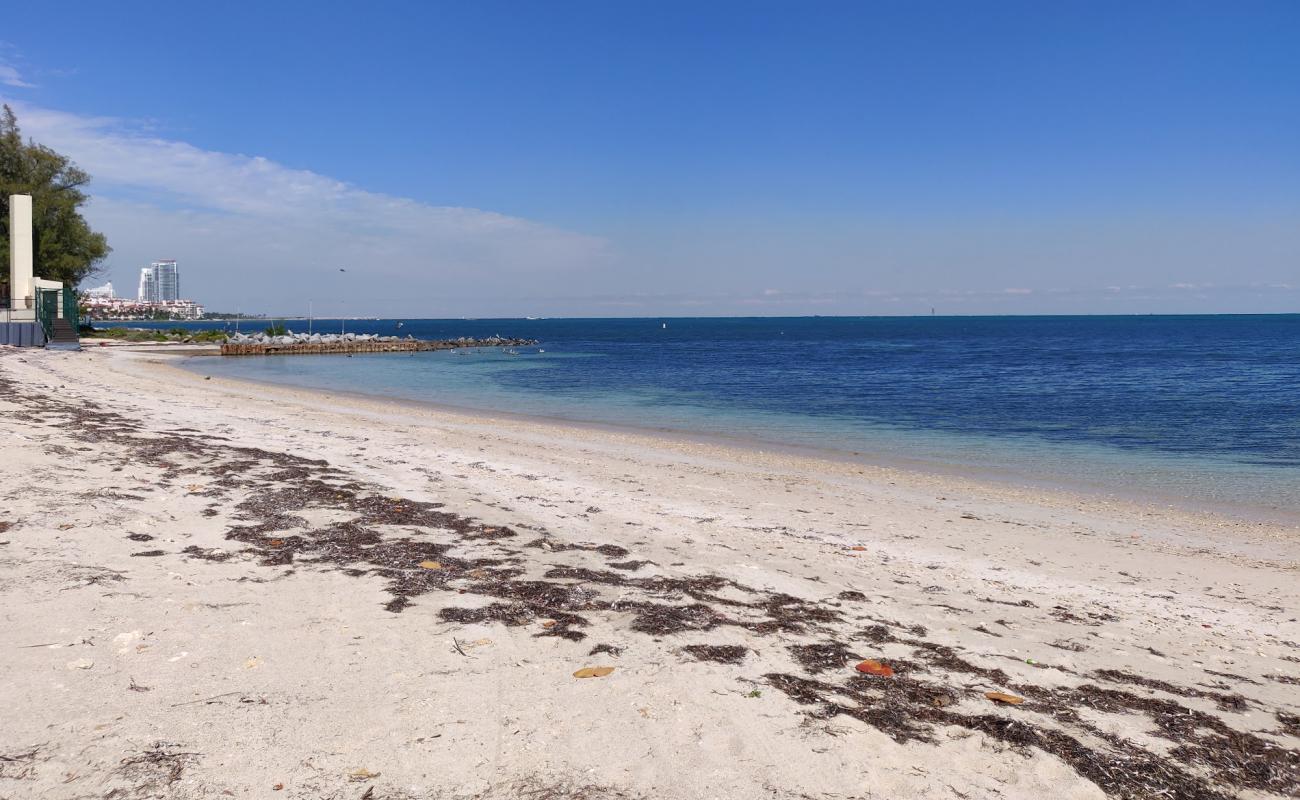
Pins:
<point x="20" y="250"/>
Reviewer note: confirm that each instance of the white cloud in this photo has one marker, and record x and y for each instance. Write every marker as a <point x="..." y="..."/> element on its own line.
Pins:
<point x="251" y="232"/>
<point x="261" y="236"/>
<point x="10" y="76"/>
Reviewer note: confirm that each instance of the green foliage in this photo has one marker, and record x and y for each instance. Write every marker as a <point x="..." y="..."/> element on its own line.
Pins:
<point x="155" y="335"/>
<point x="277" y="329"/>
<point x="231" y="315"/>
<point x="133" y="334"/>
<point x="66" y="249"/>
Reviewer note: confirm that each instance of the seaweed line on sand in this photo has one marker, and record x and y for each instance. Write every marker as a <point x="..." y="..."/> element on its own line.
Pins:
<point x="419" y="548"/>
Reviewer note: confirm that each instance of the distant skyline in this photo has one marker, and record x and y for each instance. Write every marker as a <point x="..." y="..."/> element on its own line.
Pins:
<point x="621" y="159"/>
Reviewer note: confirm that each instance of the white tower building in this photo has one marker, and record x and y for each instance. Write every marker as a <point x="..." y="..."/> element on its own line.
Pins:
<point x="168" y="279"/>
<point x="148" y="292"/>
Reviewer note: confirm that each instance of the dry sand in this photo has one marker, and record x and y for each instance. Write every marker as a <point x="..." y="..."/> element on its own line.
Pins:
<point x="215" y="589"/>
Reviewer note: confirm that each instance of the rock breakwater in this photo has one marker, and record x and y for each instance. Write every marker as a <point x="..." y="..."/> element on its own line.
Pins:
<point x="319" y="344"/>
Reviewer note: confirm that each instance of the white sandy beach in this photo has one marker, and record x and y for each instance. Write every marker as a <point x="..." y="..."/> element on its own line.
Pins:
<point x="216" y="589"/>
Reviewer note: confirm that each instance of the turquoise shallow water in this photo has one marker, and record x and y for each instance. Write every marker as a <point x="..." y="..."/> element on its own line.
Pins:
<point x="1202" y="410"/>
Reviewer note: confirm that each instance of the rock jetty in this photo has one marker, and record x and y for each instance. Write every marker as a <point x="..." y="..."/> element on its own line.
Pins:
<point x="290" y="343"/>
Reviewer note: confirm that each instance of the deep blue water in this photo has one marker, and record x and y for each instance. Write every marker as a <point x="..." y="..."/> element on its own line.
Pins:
<point x="1205" y="408"/>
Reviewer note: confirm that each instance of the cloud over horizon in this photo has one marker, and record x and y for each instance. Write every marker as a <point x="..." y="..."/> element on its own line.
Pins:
<point x="252" y="233"/>
<point x="259" y="236"/>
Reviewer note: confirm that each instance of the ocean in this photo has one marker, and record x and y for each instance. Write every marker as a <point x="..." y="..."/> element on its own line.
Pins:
<point x="1199" y="411"/>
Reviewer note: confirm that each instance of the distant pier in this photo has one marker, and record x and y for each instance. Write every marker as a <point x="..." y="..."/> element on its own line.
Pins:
<point x="262" y="345"/>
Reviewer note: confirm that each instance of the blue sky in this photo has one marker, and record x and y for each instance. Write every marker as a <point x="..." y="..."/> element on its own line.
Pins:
<point x="683" y="158"/>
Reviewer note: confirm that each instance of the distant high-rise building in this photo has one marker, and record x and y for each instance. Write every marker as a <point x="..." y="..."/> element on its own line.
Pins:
<point x="160" y="282"/>
<point x="105" y="291"/>
<point x="169" y="281"/>
<point x="148" y="292"/>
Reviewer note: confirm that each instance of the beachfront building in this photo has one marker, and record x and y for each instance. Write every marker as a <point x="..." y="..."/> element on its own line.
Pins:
<point x="160" y="282"/>
<point x="148" y="290"/>
<point x="181" y="309"/>
<point x="37" y="312"/>
<point x="168" y="280"/>
<point x="124" y="308"/>
<point x="101" y="291"/>
<point x="158" y="297"/>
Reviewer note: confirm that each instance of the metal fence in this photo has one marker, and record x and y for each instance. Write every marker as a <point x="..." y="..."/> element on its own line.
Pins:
<point x="54" y="303"/>
<point x="72" y="307"/>
<point x="47" y="309"/>
<point x="9" y="306"/>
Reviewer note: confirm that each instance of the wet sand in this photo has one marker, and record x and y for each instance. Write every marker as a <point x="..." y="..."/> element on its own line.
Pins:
<point x="212" y="588"/>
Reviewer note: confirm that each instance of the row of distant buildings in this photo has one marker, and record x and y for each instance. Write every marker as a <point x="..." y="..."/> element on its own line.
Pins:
<point x="158" y="296"/>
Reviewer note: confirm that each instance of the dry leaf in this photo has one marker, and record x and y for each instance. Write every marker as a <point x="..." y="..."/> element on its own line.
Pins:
<point x="431" y="565"/>
<point x="1003" y="697"/>
<point x="194" y="487"/>
<point x="276" y="543"/>
<point x="478" y="573"/>
<point x="872" y="667"/>
<point x="550" y="623"/>
<point x="593" y="672"/>
<point x="278" y="786"/>
<point x="362" y="774"/>
<point x="858" y="548"/>
<point x="65" y="526"/>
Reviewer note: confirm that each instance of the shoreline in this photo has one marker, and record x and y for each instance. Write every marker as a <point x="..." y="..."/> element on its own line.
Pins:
<point x="989" y="478"/>
<point x="226" y="588"/>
